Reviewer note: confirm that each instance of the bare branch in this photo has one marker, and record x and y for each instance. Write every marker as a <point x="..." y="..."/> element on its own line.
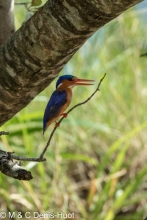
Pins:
<point x="45" y="43"/>
<point x="27" y="158"/>
<point x="3" y="133"/>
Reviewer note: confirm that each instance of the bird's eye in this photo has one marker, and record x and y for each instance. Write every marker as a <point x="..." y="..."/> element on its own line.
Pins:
<point x="70" y="79"/>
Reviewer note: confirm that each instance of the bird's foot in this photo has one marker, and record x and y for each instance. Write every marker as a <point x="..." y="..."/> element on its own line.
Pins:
<point x="57" y="124"/>
<point x="64" y="115"/>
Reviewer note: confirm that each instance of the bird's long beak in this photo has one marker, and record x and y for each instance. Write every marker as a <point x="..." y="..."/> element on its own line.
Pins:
<point x="83" y="82"/>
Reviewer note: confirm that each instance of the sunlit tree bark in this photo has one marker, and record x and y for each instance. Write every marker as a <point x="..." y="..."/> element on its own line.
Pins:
<point x="34" y="55"/>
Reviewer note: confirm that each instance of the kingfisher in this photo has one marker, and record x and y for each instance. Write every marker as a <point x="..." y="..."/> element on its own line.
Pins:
<point x="61" y="99"/>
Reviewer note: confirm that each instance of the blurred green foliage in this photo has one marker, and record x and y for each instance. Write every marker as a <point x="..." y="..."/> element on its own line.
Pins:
<point x="96" y="163"/>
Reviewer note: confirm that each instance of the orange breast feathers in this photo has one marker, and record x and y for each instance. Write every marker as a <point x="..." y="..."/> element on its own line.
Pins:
<point x="58" y="103"/>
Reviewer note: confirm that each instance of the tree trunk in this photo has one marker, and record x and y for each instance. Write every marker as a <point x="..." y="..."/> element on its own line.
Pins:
<point x="6" y="19"/>
<point x="37" y="52"/>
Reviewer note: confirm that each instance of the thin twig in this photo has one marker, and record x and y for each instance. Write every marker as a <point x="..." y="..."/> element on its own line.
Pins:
<point x="11" y="156"/>
<point x="4" y="133"/>
<point x="26" y="158"/>
<point x="81" y="103"/>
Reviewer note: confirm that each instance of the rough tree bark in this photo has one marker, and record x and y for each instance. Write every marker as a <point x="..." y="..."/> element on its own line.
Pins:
<point x="12" y="169"/>
<point x="36" y="53"/>
<point x="6" y="20"/>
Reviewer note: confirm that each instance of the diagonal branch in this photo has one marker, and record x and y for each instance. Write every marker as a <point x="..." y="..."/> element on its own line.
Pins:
<point x="35" y="54"/>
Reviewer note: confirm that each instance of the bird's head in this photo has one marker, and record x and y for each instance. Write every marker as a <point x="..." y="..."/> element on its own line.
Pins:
<point x="69" y="81"/>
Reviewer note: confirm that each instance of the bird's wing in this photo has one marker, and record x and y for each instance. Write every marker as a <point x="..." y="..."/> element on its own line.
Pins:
<point x="57" y="100"/>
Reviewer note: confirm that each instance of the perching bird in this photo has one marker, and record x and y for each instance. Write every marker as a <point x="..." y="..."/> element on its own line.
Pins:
<point x="61" y="98"/>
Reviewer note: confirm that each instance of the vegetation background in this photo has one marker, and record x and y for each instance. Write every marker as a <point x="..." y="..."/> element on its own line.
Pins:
<point x="97" y="162"/>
